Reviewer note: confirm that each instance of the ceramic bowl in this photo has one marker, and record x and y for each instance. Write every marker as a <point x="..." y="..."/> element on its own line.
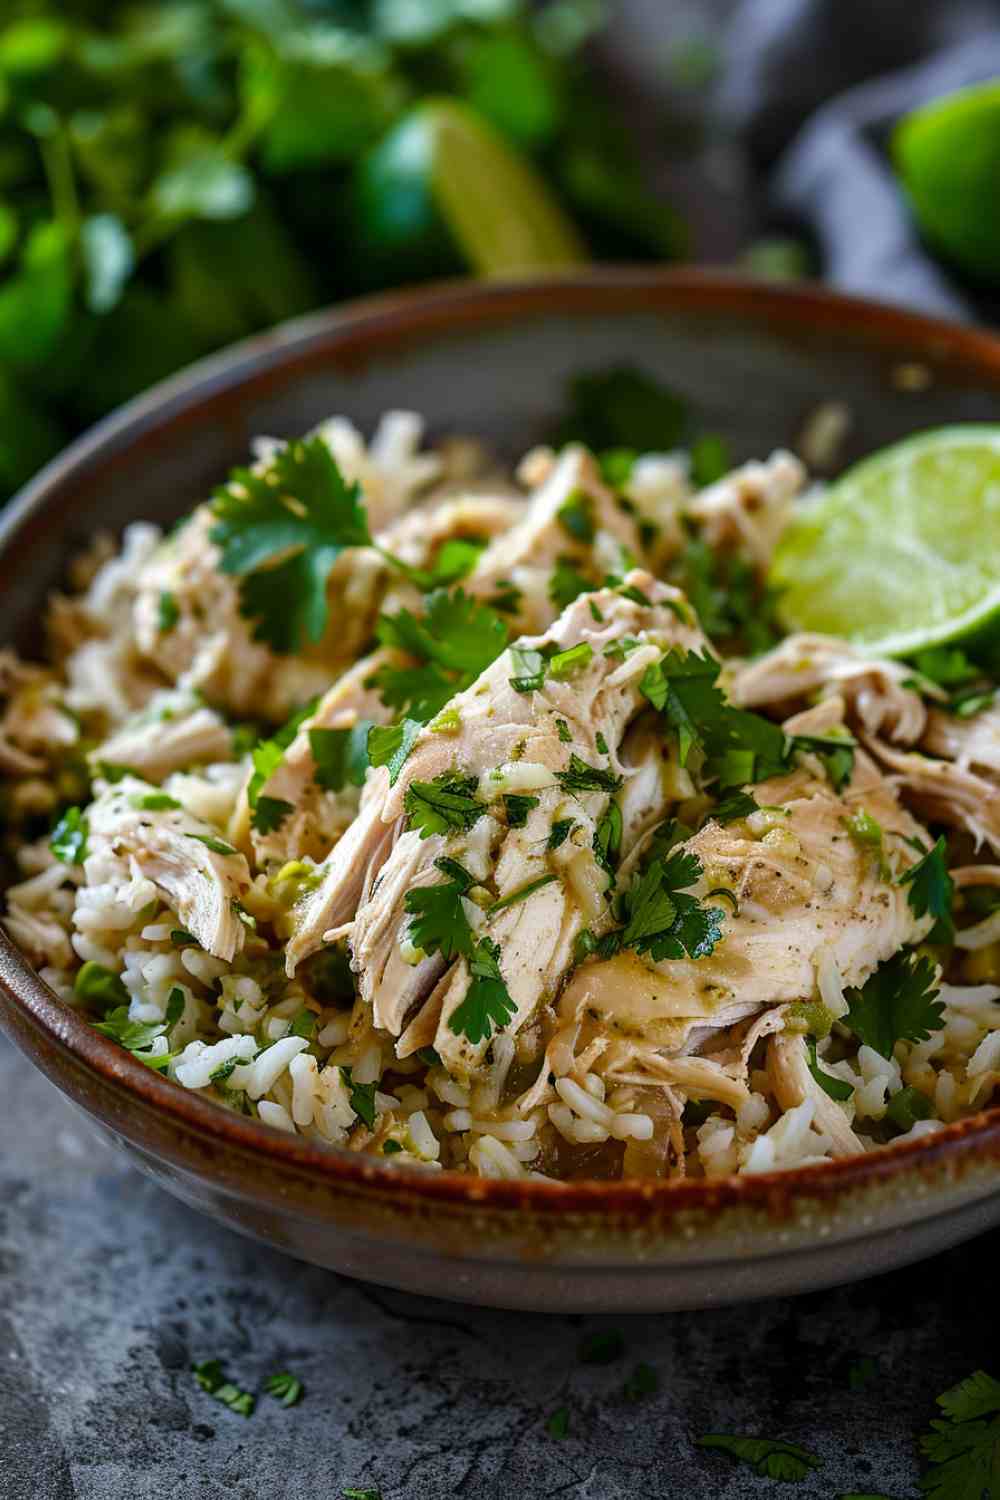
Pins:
<point x="494" y="360"/>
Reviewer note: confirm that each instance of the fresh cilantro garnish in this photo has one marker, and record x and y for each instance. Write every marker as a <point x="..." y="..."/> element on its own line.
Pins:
<point x="390" y="744"/>
<point x="932" y="890"/>
<point x="448" y="804"/>
<point x="601" y="743"/>
<point x="602" y="1348"/>
<point x="514" y="898"/>
<point x="69" y="837"/>
<point x="710" y="458"/>
<point x="270" y="813"/>
<point x="341" y="755"/>
<point x="567" y="583"/>
<point x="217" y="846"/>
<point x="362" y="1098"/>
<point x="908" y="1106"/>
<point x="391" y="1147"/>
<point x="562" y="729"/>
<point x="898" y="1003"/>
<point x="429" y="1056"/>
<point x="303" y="1024"/>
<point x="661" y="918"/>
<point x="558" y="1424"/>
<point x="608" y="838"/>
<point x="964" y="1447"/>
<point x="454" y="560"/>
<point x="576" y="517"/>
<point x="736" y="805"/>
<point x="517" y="808"/>
<point x="727" y="595"/>
<point x="153" y="802"/>
<point x="209" y="1375"/>
<point x="621" y="648"/>
<point x="947" y="666"/>
<point x="566" y="663"/>
<point x="643" y="1381"/>
<point x="281" y="531"/>
<point x="138" y="1036"/>
<point x="455" y="640"/>
<point x="972" y="701"/>
<point x="835" y="1088"/>
<point x="770" y="1458"/>
<point x="284" y="1387"/>
<point x="438" y="921"/>
<point x="835" y="751"/>
<point x="181" y="939"/>
<point x="595" y="613"/>
<point x="629" y="591"/>
<point x="168" y="613"/>
<point x="102" y="989"/>
<point x="623" y="408"/>
<point x="579" y="777"/>
<point x="529" y="669"/>
<point x="559" y="832"/>
<point x="487" y="1002"/>
<point x="682" y="685"/>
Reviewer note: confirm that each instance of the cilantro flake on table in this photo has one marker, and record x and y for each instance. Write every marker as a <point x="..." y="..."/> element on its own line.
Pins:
<point x="211" y="1377"/>
<point x="770" y="1458"/>
<point x="448" y="804"/>
<point x="68" y="840"/>
<point x="898" y="1003"/>
<point x="280" y="531"/>
<point x="285" y="1387"/>
<point x="932" y="890"/>
<point x="963" y="1447"/>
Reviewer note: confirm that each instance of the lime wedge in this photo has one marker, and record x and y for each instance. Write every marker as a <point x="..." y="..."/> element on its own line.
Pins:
<point x="948" y="156"/>
<point x="444" y="167"/>
<point x="903" y="551"/>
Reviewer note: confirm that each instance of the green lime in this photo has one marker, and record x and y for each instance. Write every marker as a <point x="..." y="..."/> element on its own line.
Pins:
<point x="903" y="551"/>
<point x="948" y="156"/>
<point x="443" y="174"/>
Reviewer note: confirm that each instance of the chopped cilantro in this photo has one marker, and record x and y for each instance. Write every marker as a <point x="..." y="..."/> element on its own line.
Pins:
<point x="835" y="1088"/>
<point x="138" y="1036"/>
<point x="595" y="613"/>
<point x="270" y="813"/>
<point x="601" y="743"/>
<point x="932" y="890"/>
<point x="69" y="837"/>
<point x="947" y="666"/>
<point x="562" y="729"/>
<point x="429" y="1056"/>
<point x="897" y="1003"/>
<point x="210" y="1377"/>
<point x="181" y="939"/>
<point x="217" y="846"/>
<point x="608" y="838"/>
<point x="102" y="989"/>
<point x="629" y="591"/>
<point x="301" y="512"/>
<point x="154" y="802"/>
<point x="616" y="466"/>
<point x="559" y="832"/>
<point x="964" y="1447"/>
<point x="736" y="805"/>
<point x="618" y="650"/>
<point x="908" y="1106"/>
<point x="727" y="595"/>
<point x="602" y="1348"/>
<point x="682" y="686"/>
<point x="391" y="1148"/>
<point x="558" y="1424"/>
<point x="284" y="1387"/>
<point x="303" y="1024"/>
<point x="487" y="1002"/>
<point x="521" y="894"/>
<point x="529" y="669"/>
<point x="643" y="1381"/>
<point x="835" y="751"/>
<point x="507" y="599"/>
<point x="567" y="583"/>
<point x="576" y="517"/>
<point x="710" y="458"/>
<point x="566" y="663"/>
<point x="447" y="804"/>
<point x="362" y="1098"/>
<point x="341" y="755"/>
<point x="579" y="777"/>
<point x="390" y="744"/>
<point x="438" y="921"/>
<point x="661" y="918"/>
<point x="769" y="1458"/>
<point x="167" y="613"/>
<point x="517" y="808"/>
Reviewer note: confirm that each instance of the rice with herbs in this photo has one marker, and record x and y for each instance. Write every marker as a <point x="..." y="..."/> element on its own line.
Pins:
<point x="487" y="823"/>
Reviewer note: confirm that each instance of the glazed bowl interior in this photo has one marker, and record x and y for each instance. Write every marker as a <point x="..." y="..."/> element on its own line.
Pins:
<point x="752" y="363"/>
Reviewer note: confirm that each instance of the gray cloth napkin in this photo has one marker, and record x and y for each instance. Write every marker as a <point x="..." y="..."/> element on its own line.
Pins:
<point x="815" y="86"/>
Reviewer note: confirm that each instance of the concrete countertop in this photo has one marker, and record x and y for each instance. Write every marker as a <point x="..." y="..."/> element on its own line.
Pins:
<point x="109" y="1289"/>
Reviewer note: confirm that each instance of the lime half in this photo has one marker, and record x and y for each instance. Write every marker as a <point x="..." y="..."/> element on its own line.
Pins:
<point x="903" y="551"/>
<point x="444" y="166"/>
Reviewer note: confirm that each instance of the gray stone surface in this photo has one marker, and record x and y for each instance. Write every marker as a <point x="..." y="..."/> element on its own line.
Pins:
<point x="109" y="1290"/>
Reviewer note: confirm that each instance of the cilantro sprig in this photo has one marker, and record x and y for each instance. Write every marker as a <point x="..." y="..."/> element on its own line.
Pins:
<point x="964" y="1446"/>
<point x="897" y="1003"/>
<point x="661" y="917"/>
<point x="769" y="1457"/>
<point x="932" y="890"/>
<point x="452" y="643"/>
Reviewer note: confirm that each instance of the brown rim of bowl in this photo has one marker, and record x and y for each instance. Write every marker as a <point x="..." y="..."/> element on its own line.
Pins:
<point x="358" y="331"/>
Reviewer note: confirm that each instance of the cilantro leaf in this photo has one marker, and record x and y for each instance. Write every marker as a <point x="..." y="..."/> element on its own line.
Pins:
<point x="456" y="632"/>
<point x="284" y="1387"/>
<point x="576" y="517"/>
<point x="448" y="803"/>
<point x="517" y="808"/>
<point x="945" y="665"/>
<point x="281" y="531"/>
<point x="138" y="1036"/>
<point x="682" y="685"/>
<point x="559" y="832"/>
<point x="736" y="805"/>
<point x="154" y="802"/>
<point x="897" y="1003"/>
<point x="362" y="1098"/>
<point x="390" y="744"/>
<point x="102" y="989"/>
<point x="770" y="1458"/>
<point x="270" y="813"/>
<point x="69" y="837"/>
<point x="438" y="921"/>
<point x="907" y="1106"/>
<point x="266" y="757"/>
<point x="835" y="1088"/>
<point x="608" y="838"/>
<point x="567" y="583"/>
<point x="835" y="751"/>
<point x="168" y="613"/>
<point x="341" y="755"/>
<point x="964" y="1449"/>
<point x="529" y="669"/>
<point x="932" y="891"/>
<point x="662" y="919"/>
<point x="487" y="1002"/>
